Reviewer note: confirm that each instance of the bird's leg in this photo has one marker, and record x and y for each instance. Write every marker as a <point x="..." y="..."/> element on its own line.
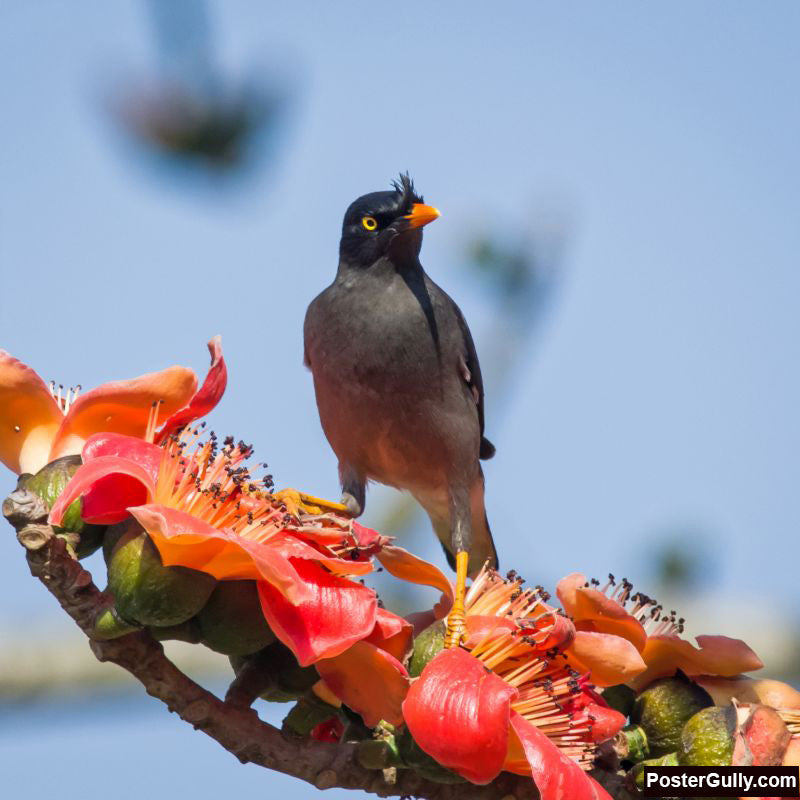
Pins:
<point x="461" y="539"/>
<point x="354" y="490"/>
<point x="296" y="501"/>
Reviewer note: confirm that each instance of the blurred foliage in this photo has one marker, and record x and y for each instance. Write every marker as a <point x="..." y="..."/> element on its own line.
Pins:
<point x="191" y="113"/>
<point x="215" y="129"/>
<point x="680" y="560"/>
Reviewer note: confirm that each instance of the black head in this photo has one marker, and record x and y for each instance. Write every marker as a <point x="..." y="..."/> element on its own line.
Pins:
<point x="385" y="224"/>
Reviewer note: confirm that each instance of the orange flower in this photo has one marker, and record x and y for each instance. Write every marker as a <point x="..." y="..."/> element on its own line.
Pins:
<point x="626" y="637"/>
<point x="39" y="423"/>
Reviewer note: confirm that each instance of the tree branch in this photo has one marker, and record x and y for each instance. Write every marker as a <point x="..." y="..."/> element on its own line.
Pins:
<point x="234" y="725"/>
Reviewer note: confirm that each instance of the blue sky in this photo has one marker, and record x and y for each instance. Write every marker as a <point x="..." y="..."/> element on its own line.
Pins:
<point x="664" y="389"/>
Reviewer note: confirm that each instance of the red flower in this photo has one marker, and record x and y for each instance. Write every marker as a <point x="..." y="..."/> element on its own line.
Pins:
<point x="508" y="701"/>
<point x="331" y="730"/>
<point x="203" y="510"/>
<point x="462" y="714"/>
<point x="369" y="677"/>
<point x="39" y="423"/>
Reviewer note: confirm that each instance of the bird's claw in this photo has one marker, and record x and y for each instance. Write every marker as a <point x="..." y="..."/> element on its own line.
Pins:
<point x="296" y="502"/>
<point x="352" y="507"/>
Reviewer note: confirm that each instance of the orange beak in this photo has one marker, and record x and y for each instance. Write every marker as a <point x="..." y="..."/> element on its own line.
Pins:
<point x="421" y="215"/>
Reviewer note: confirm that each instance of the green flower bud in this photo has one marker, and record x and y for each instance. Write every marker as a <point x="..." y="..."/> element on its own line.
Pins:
<point x="707" y="739"/>
<point x="309" y="712"/>
<point x="631" y="744"/>
<point x="147" y="592"/>
<point x="185" y="632"/>
<point x="637" y="773"/>
<point x="663" y="709"/>
<point x="426" y="646"/>
<point x="232" y="622"/>
<point x="48" y="483"/>
<point x="620" y="698"/>
<point x="109" y="625"/>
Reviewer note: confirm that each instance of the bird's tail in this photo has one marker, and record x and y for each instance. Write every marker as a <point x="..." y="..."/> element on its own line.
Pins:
<point x="482" y="549"/>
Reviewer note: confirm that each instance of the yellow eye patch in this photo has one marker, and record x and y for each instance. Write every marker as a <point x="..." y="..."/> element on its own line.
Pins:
<point x="370" y="223"/>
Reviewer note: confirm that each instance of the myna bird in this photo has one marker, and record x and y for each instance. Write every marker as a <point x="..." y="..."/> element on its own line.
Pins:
<point x="397" y="380"/>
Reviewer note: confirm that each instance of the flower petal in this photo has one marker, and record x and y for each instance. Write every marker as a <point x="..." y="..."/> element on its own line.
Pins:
<point x="483" y="628"/>
<point x="551" y="630"/>
<point x="369" y="680"/>
<point x="367" y="538"/>
<point x="121" y="479"/>
<point x="717" y="655"/>
<point x="767" y="691"/>
<point x="722" y="655"/>
<point x="567" y="588"/>
<point x="610" y="659"/>
<point x="186" y="541"/>
<point x="29" y="417"/>
<point x="335" y="615"/>
<point x="107" y="500"/>
<point x="408" y="567"/>
<point x="607" y="722"/>
<point x="791" y="758"/>
<point x="761" y="737"/>
<point x="131" y="447"/>
<point x="594" y="611"/>
<point x="557" y="776"/>
<point x="392" y="634"/>
<point x="331" y="730"/>
<point x="458" y="713"/>
<point x="294" y="547"/>
<point x="206" y="397"/>
<point x="124" y="407"/>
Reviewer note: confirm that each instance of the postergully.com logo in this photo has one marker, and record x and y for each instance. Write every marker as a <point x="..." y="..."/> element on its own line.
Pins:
<point x="721" y="781"/>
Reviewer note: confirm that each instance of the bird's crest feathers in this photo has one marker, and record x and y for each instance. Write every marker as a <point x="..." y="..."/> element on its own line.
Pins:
<point x="404" y="186"/>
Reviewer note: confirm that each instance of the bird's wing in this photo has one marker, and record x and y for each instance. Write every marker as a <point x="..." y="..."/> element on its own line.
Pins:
<point x="471" y="372"/>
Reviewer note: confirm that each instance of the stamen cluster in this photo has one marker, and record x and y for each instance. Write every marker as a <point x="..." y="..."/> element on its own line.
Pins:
<point x="64" y="398"/>
<point x="214" y="483"/>
<point x="648" y="611"/>
<point x="528" y="655"/>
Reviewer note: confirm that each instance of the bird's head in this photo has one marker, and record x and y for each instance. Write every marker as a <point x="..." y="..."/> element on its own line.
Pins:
<point x="385" y="224"/>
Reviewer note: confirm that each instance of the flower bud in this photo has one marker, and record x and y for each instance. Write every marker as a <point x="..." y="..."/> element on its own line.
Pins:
<point x="109" y="625"/>
<point x="620" y="698"/>
<point x="426" y="646"/>
<point x="147" y="592"/>
<point x="309" y="712"/>
<point x="637" y="773"/>
<point x="707" y="739"/>
<point x="232" y="622"/>
<point x="47" y="484"/>
<point x="664" y="707"/>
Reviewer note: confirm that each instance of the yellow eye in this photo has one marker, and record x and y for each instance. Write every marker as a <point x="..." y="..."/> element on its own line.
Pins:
<point x="370" y="223"/>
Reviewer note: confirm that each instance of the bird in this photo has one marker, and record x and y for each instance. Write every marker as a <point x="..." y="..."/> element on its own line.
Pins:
<point x="397" y="380"/>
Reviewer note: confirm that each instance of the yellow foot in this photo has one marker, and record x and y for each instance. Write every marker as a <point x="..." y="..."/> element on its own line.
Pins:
<point x="300" y="501"/>
<point x="456" y="621"/>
